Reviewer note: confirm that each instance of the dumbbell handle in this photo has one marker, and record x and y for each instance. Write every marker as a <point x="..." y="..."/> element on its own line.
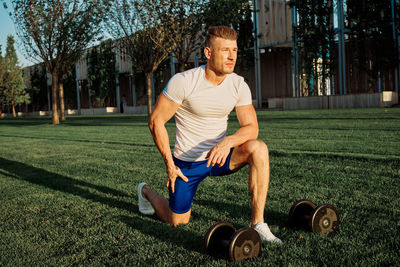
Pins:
<point x="224" y="242"/>
<point x="307" y="216"/>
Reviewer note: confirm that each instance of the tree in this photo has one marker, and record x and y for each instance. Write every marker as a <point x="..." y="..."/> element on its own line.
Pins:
<point x="57" y="33"/>
<point x="144" y="32"/>
<point x="69" y="83"/>
<point x="188" y="24"/>
<point x="2" y="80"/>
<point x="316" y="42"/>
<point x="13" y="86"/>
<point x="371" y="36"/>
<point x="238" y="15"/>
<point x="39" y="87"/>
<point x="101" y="72"/>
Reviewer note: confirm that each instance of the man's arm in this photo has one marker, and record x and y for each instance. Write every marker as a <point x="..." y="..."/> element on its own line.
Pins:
<point x="162" y="113"/>
<point x="249" y="131"/>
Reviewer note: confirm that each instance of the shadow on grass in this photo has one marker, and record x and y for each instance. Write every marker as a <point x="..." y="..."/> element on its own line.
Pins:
<point x="15" y="122"/>
<point x="180" y="236"/>
<point x="24" y="172"/>
<point x="98" y="120"/>
<point x="237" y="211"/>
<point x="79" y="140"/>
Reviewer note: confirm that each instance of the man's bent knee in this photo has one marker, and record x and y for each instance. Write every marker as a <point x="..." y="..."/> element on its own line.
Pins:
<point x="256" y="147"/>
<point x="176" y="219"/>
<point x="247" y="152"/>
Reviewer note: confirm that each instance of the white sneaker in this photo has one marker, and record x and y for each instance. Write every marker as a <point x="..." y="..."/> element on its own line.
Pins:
<point x="145" y="206"/>
<point x="265" y="233"/>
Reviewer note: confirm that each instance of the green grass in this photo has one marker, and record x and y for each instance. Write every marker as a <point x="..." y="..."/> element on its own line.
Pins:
<point x="68" y="192"/>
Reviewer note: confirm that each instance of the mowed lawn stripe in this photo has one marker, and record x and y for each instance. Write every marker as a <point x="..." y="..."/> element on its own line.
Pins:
<point x="68" y="192"/>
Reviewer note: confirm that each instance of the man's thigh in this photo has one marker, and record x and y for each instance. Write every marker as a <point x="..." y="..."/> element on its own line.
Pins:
<point x="180" y="202"/>
<point x="240" y="154"/>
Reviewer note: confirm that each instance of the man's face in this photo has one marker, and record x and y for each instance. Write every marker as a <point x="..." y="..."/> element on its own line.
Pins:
<point x="221" y="55"/>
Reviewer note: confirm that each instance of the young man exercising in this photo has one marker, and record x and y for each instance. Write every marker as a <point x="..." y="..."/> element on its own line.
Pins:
<point x="201" y="100"/>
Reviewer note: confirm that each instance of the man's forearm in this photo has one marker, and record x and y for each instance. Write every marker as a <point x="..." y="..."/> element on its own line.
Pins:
<point x="161" y="139"/>
<point x="244" y="134"/>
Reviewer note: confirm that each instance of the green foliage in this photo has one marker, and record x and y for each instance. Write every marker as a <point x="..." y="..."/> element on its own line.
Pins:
<point x="12" y="89"/>
<point x="102" y="72"/>
<point x="2" y="68"/>
<point x="39" y="87"/>
<point x="39" y="78"/>
<point x="68" y="194"/>
<point x="69" y="83"/>
<point x="187" y="26"/>
<point x="232" y="13"/>
<point x="369" y="30"/>
<point x="154" y="40"/>
<point x="11" y="53"/>
<point x="315" y="41"/>
<point x="148" y="31"/>
<point x="144" y="30"/>
<point x="235" y="14"/>
<point x="57" y="33"/>
<point x="371" y="36"/>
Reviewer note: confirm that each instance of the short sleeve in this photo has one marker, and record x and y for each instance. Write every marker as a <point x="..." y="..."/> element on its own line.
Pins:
<point x="244" y="94"/>
<point x="175" y="89"/>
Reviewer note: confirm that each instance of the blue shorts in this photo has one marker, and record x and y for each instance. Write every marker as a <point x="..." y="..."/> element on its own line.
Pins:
<point x="181" y="201"/>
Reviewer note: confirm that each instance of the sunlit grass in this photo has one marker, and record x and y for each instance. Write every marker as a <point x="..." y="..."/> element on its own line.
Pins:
<point x="68" y="192"/>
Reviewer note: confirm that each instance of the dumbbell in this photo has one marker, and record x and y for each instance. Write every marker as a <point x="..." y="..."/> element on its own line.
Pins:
<point x="222" y="239"/>
<point x="319" y="219"/>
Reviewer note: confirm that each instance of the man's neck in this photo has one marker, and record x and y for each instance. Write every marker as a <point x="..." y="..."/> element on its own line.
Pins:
<point x="214" y="77"/>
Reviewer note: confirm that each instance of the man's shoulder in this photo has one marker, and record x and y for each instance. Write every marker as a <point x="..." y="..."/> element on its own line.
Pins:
<point x="186" y="78"/>
<point x="189" y="74"/>
<point x="236" y="80"/>
<point x="236" y="77"/>
<point x="181" y="84"/>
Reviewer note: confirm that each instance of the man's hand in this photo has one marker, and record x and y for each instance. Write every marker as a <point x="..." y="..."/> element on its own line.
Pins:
<point x="173" y="173"/>
<point x="219" y="153"/>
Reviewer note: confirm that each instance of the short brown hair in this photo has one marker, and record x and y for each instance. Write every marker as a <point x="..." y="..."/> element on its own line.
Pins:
<point x="222" y="32"/>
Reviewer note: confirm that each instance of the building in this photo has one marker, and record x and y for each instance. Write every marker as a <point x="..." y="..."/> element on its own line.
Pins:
<point x="276" y="78"/>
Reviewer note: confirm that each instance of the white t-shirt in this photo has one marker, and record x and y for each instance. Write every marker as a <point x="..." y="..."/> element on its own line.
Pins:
<point x="202" y="117"/>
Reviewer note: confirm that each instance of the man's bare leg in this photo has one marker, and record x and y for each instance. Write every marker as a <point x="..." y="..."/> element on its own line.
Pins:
<point x="161" y="207"/>
<point x="255" y="153"/>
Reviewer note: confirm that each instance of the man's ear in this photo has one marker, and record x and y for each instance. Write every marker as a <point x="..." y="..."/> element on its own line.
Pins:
<point x="207" y="52"/>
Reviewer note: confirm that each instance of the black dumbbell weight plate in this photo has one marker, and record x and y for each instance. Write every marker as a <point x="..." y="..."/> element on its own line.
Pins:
<point x="300" y="213"/>
<point x="217" y="238"/>
<point x="325" y="219"/>
<point x="245" y="244"/>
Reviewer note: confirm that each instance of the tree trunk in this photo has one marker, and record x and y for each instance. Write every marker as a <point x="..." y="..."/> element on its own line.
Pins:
<point x="316" y="78"/>
<point x="323" y="83"/>
<point x="13" y="109"/>
<point x="149" y="102"/>
<point x="54" y="106"/>
<point x="181" y="66"/>
<point x="61" y="96"/>
<point x="181" y="56"/>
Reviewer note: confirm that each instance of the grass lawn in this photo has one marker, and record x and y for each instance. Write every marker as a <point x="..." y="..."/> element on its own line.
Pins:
<point x="68" y="192"/>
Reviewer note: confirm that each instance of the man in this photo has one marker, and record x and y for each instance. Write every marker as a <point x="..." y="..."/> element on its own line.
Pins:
<point x="201" y="100"/>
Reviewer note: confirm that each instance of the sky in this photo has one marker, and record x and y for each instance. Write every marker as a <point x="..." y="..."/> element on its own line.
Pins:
<point x="7" y="28"/>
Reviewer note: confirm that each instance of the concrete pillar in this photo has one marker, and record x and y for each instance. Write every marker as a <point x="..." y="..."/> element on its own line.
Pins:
<point x="172" y="63"/>
<point x="78" y="89"/>
<point x="117" y="96"/>
<point x="295" y="57"/>
<point x="257" y="56"/>
<point x="342" y="50"/>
